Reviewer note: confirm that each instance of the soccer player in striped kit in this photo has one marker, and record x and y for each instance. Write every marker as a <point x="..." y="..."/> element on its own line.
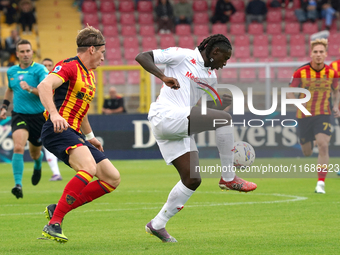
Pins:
<point x="73" y="83"/>
<point x="322" y="82"/>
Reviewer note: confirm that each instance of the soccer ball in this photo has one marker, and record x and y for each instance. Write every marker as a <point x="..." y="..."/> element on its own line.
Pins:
<point x="244" y="154"/>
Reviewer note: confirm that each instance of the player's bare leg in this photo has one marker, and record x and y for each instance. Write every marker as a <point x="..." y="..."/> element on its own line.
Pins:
<point x="307" y="148"/>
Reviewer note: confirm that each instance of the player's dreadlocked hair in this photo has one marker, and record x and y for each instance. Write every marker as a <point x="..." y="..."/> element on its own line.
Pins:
<point x="217" y="40"/>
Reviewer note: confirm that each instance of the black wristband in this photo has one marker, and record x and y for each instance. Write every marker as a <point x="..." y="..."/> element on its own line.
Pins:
<point x="6" y="102"/>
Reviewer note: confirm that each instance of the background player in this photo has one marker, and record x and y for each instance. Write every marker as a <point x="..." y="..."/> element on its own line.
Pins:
<point x="321" y="80"/>
<point x="174" y="119"/>
<point x="27" y="115"/>
<point x="73" y="83"/>
<point x="50" y="158"/>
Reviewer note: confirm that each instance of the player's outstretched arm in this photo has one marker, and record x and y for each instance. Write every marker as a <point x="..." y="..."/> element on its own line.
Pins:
<point x="146" y="60"/>
<point x="7" y="99"/>
<point x="45" y="89"/>
<point x="87" y="130"/>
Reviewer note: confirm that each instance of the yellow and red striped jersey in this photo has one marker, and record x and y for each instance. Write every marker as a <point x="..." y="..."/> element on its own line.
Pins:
<point x="320" y="84"/>
<point x="73" y="97"/>
<point x="336" y="66"/>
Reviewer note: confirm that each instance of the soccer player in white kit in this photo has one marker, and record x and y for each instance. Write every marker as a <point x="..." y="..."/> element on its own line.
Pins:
<point x="175" y="119"/>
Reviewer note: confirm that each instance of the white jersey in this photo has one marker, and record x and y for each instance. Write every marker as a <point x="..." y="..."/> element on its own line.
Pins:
<point x="187" y="66"/>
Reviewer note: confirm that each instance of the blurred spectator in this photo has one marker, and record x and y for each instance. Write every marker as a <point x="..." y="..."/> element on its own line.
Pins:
<point x="164" y="14"/>
<point x="281" y="3"/>
<point x="336" y="5"/>
<point x="4" y="55"/>
<point x="327" y="12"/>
<point x="26" y="15"/>
<point x="223" y="10"/>
<point x="307" y="12"/>
<point x="289" y="5"/>
<point x="9" y="10"/>
<point x="48" y="63"/>
<point x="115" y="104"/>
<point x="183" y="12"/>
<point x="256" y="10"/>
<point x="10" y="46"/>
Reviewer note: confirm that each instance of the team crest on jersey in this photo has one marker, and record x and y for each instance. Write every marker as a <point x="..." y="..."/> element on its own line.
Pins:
<point x="56" y="69"/>
<point x="20" y="77"/>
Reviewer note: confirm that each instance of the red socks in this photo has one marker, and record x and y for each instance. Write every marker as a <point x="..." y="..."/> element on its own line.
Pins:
<point x="322" y="174"/>
<point x="70" y="195"/>
<point x="77" y="192"/>
<point x="92" y="191"/>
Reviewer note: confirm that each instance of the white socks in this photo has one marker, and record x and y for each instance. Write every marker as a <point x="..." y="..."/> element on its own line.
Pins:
<point x="52" y="162"/>
<point x="225" y="144"/>
<point x="178" y="196"/>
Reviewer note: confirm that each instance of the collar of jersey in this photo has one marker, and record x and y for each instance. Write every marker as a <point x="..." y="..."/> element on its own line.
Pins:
<point x="200" y="60"/>
<point x="82" y="64"/>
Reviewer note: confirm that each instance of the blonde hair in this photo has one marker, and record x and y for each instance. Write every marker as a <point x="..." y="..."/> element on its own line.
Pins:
<point x="321" y="41"/>
<point x="89" y="36"/>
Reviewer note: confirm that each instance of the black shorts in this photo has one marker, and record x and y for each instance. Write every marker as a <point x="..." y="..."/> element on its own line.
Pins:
<point x="311" y="126"/>
<point x="32" y="123"/>
<point x="60" y="143"/>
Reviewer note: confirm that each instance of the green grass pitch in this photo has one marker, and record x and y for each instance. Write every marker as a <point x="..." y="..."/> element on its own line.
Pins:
<point x="283" y="216"/>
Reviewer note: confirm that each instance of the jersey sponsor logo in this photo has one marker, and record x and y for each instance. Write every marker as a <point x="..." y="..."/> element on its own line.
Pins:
<point x="56" y="69"/>
<point x="203" y="85"/>
<point x="21" y="123"/>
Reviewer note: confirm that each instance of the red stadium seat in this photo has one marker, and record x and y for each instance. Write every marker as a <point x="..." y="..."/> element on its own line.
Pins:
<point x="262" y="70"/>
<point x="247" y="74"/>
<point x="110" y="31"/>
<point x="147" y="30"/>
<point x="333" y="28"/>
<point x="201" y="18"/>
<point x="186" y="42"/>
<point x="128" y="30"/>
<point x="239" y="5"/>
<point x="297" y="50"/>
<point x="133" y="77"/>
<point x="113" y="62"/>
<point x="237" y="29"/>
<point x="132" y="62"/>
<point x="202" y="29"/>
<point x="237" y="17"/>
<point x="219" y="29"/>
<point x="242" y="52"/>
<point x="260" y="40"/>
<point x="130" y="42"/>
<point x="255" y="29"/>
<point x="107" y="7"/>
<point x="200" y="39"/>
<point x="113" y="54"/>
<point x="309" y="28"/>
<point x="229" y="75"/>
<point x="109" y="19"/>
<point x="290" y="16"/>
<point x="145" y="19"/>
<point x="167" y="41"/>
<point x="279" y="40"/>
<point x="296" y="4"/>
<point x="292" y="28"/>
<point x="112" y="42"/>
<point x="91" y="19"/>
<point x="297" y="39"/>
<point x="305" y="59"/>
<point x="200" y="6"/>
<point x="130" y="53"/>
<point x="241" y="40"/>
<point x="284" y="74"/>
<point x="126" y="6"/>
<point x="149" y="43"/>
<point x="260" y="51"/>
<point x="144" y="6"/>
<point x="274" y="17"/>
<point x="183" y="30"/>
<point x="274" y="28"/>
<point x="334" y="50"/>
<point x="127" y="19"/>
<point x="89" y="7"/>
<point x="116" y="78"/>
<point x="279" y="51"/>
<point x="213" y="5"/>
<point x="334" y="38"/>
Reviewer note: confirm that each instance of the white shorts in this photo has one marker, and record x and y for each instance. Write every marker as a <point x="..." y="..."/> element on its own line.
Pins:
<point x="171" y="132"/>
